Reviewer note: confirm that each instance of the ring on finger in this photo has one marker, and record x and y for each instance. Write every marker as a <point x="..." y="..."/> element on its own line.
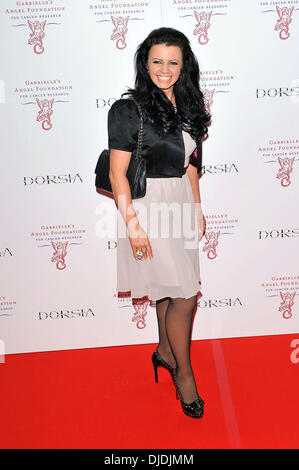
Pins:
<point x="140" y="253"/>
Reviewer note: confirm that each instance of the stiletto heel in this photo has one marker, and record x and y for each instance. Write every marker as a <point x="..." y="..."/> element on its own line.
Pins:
<point x="156" y="370"/>
<point x="157" y="360"/>
<point x="194" y="409"/>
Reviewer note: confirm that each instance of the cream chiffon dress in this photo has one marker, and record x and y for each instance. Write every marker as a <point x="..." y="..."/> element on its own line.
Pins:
<point x="174" y="269"/>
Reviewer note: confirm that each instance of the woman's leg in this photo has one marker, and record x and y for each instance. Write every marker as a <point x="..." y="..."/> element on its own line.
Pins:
<point x="164" y="348"/>
<point x="179" y="316"/>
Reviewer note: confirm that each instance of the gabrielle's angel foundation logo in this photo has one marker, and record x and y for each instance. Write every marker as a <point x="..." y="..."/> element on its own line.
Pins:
<point x="32" y="16"/>
<point x="140" y="313"/>
<point x="215" y="82"/>
<point x="211" y="243"/>
<point x="208" y="97"/>
<point x="202" y="26"/>
<point x="45" y="112"/>
<point x="59" y="254"/>
<point x="217" y="224"/>
<point x="286" y="167"/>
<point x="57" y="240"/>
<point x="117" y="16"/>
<point x="37" y="35"/>
<point x="120" y="31"/>
<point x="283" y="290"/>
<point x="286" y="304"/>
<point x="41" y="95"/>
<point x="283" y="21"/>
<point x="283" y="153"/>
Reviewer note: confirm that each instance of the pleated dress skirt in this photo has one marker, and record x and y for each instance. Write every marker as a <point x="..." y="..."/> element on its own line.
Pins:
<point x="167" y="215"/>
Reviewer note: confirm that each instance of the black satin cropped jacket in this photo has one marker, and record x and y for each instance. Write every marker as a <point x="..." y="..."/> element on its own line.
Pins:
<point x="165" y="157"/>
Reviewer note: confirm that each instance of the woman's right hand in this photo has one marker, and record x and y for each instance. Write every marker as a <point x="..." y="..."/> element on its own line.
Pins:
<point x="139" y="241"/>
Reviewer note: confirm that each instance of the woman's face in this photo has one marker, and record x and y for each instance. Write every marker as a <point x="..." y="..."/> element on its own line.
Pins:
<point x="164" y="66"/>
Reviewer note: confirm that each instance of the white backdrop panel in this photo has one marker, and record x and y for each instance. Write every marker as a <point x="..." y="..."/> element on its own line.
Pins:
<point x="58" y="77"/>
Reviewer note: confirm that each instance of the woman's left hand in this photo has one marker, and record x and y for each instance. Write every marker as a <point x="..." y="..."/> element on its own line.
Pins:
<point x="201" y="222"/>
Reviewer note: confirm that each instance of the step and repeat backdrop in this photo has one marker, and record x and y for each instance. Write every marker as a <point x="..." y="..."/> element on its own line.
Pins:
<point x="63" y="63"/>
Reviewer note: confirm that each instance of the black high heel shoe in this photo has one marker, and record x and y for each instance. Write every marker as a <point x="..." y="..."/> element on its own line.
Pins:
<point x="194" y="409"/>
<point x="157" y="361"/>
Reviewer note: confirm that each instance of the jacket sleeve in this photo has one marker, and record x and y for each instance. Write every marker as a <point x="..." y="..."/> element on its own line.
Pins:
<point x="123" y="125"/>
<point x="196" y="157"/>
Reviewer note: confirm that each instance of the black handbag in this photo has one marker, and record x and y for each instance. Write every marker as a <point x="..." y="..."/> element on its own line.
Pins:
<point x="136" y="172"/>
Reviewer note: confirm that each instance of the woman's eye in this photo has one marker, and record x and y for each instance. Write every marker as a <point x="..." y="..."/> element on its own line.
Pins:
<point x="159" y="62"/>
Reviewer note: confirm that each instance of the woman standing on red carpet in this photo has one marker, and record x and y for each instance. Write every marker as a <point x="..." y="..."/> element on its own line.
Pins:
<point x="150" y="266"/>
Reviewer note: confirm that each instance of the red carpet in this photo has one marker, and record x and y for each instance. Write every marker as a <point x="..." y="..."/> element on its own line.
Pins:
<point x="107" y="398"/>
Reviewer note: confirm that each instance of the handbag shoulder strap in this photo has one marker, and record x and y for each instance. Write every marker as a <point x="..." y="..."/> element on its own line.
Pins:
<point x="140" y="132"/>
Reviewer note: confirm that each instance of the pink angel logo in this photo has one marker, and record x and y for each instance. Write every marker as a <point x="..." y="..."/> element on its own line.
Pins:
<point x="283" y="21"/>
<point x="140" y="313"/>
<point x="45" y="112"/>
<point x="286" y="167"/>
<point x="37" y="35"/>
<point x="287" y="304"/>
<point x="211" y="243"/>
<point x="202" y="26"/>
<point x="120" y="31"/>
<point x="208" y="97"/>
<point x="59" y="254"/>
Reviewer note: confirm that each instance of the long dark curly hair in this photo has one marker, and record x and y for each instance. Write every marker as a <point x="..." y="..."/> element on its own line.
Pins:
<point x="191" y="114"/>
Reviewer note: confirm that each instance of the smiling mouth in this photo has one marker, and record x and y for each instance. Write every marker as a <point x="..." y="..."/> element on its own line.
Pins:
<point x="165" y="79"/>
